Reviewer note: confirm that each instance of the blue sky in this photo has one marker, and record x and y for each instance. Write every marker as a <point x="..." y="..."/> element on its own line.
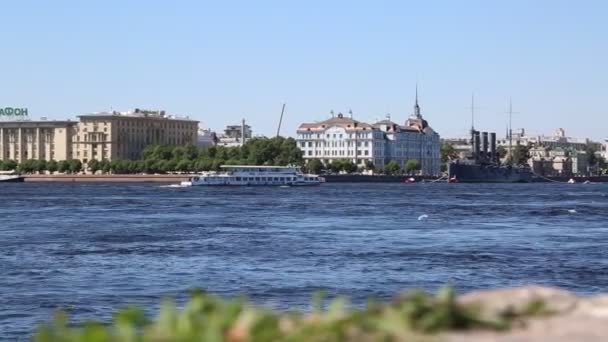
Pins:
<point x="225" y="60"/>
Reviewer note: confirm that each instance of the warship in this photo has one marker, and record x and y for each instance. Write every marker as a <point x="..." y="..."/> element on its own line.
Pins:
<point x="483" y="165"/>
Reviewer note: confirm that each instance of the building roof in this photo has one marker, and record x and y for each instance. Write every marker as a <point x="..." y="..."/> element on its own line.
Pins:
<point x="347" y="123"/>
<point x="49" y="123"/>
<point x="137" y="114"/>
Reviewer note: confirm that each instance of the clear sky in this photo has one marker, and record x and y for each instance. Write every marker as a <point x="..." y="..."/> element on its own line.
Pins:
<point x="221" y="61"/>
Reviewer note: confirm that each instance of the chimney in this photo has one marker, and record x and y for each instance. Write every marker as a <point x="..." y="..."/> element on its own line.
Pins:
<point x="484" y="144"/>
<point x="493" y="155"/>
<point x="476" y="145"/>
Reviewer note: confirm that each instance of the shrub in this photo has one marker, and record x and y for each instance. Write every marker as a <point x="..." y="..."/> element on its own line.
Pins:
<point x="208" y="318"/>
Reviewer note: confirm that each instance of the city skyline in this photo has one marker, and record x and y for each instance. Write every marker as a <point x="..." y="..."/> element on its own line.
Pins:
<point x="220" y="63"/>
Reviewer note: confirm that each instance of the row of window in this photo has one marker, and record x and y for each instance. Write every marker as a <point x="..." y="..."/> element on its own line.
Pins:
<point x="336" y="136"/>
<point x="304" y="144"/>
<point x="338" y="153"/>
<point x="265" y="179"/>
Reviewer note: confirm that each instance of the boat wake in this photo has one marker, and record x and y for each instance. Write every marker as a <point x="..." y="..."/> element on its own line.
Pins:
<point x="175" y="186"/>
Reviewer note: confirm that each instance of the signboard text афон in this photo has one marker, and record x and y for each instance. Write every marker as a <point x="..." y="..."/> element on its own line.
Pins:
<point x="10" y="111"/>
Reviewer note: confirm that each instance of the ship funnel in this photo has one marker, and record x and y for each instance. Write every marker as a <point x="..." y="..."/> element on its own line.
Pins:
<point x="493" y="155"/>
<point x="476" y="145"/>
<point x="484" y="144"/>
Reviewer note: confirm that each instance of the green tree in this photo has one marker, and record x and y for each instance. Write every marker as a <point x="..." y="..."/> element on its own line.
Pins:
<point x="501" y="151"/>
<point x="335" y="166"/>
<point x="191" y="152"/>
<point x="52" y="166"/>
<point x="369" y="165"/>
<point x="63" y="166"/>
<point x="521" y="154"/>
<point x="392" y="167"/>
<point x="9" y="165"/>
<point x="40" y="165"/>
<point x="216" y="165"/>
<point x="179" y="153"/>
<point x="348" y="166"/>
<point x="26" y="166"/>
<point x="184" y="165"/>
<point x="412" y="165"/>
<point x="448" y="152"/>
<point x="75" y="165"/>
<point x="150" y="166"/>
<point x="120" y="167"/>
<point x="314" y="166"/>
<point x="136" y="166"/>
<point x="161" y="166"/>
<point x="592" y="159"/>
<point x="94" y="166"/>
<point x="171" y="166"/>
<point x="205" y="164"/>
<point x="104" y="165"/>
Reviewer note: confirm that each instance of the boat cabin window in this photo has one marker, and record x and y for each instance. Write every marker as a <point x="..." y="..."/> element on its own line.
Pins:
<point x="238" y="179"/>
<point x="257" y="179"/>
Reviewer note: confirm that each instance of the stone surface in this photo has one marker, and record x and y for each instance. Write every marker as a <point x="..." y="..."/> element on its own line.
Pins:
<point x="568" y="317"/>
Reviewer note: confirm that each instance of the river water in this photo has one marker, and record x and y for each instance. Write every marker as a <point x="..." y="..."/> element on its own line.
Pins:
<point x="92" y="248"/>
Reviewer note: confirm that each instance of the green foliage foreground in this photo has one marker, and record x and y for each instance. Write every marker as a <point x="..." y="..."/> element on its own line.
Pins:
<point x="413" y="315"/>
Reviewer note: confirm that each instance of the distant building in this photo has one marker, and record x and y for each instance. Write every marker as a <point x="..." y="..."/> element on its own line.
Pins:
<point x="547" y="161"/>
<point x="206" y="138"/>
<point x="124" y="135"/>
<point x="557" y="140"/>
<point x="235" y="135"/>
<point x="605" y="149"/>
<point x="462" y="146"/>
<point x="341" y="137"/>
<point x="44" y="140"/>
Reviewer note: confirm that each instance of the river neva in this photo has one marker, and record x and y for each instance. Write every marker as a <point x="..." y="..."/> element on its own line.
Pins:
<point x="92" y="248"/>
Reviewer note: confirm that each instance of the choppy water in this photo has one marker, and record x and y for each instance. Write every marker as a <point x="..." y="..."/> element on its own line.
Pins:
<point x="92" y="248"/>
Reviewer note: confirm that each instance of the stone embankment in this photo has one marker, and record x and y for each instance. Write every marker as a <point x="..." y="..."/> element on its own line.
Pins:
<point x="562" y="316"/>
<point x="107" y="178"/>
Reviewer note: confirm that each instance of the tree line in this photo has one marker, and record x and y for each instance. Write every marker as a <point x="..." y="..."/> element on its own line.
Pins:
<point x="277" y="151"/>
<point x="346" y="165"/>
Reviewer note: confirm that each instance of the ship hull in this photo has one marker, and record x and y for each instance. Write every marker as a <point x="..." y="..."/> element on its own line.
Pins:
<point x="478" y="173"/>
<point x="12" y="179"/>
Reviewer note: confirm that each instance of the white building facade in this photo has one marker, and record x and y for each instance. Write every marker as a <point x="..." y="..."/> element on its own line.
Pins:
<point x="340" y="138"/>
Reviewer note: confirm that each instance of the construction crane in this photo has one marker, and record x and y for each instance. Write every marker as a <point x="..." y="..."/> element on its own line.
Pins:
<point x="280" y="120"/>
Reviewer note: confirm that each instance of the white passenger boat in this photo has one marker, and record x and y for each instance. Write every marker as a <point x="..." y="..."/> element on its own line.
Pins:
<point x="255" y="175"/>
<point x="11" y="178"/>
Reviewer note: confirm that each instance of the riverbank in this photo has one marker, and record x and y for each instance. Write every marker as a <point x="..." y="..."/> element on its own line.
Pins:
<point x="176" y="178"/>
<point x="107" y="178"/>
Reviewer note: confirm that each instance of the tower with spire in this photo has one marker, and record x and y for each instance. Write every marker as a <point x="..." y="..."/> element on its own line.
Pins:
<point x="416" y="106"/>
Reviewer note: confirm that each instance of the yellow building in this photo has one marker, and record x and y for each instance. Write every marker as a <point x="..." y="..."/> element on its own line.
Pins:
<point x="124" y="135"/>
<point x="99" y="136"/>
<point x="48" y="140"/>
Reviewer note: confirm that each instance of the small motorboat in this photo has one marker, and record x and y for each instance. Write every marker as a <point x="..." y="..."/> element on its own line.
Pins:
<point x="410" y="180"/>
<point x="571" y="181"/>
<point x="453" y="180"/>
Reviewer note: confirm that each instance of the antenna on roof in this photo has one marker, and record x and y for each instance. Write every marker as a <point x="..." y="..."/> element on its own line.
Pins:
<point x="350" y="112"/>
<point x="332" y="113"/>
